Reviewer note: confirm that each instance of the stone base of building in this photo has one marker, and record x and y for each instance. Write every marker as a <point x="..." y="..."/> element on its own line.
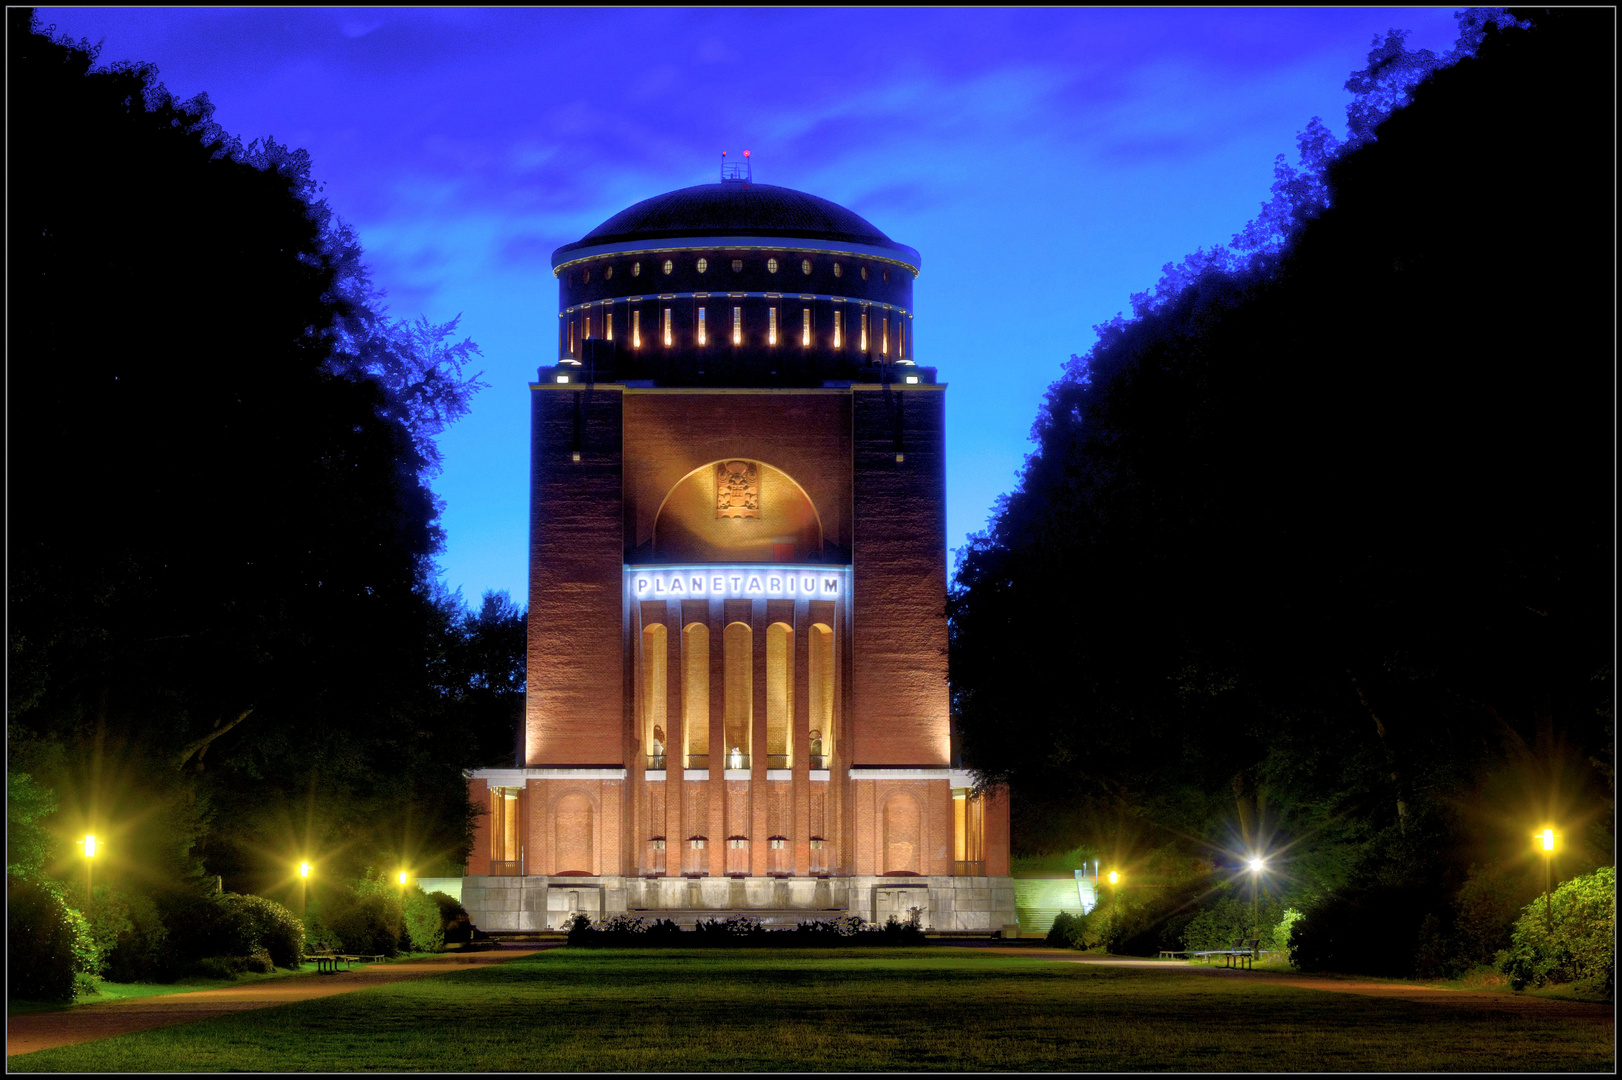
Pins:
<point x="945" y="904"/>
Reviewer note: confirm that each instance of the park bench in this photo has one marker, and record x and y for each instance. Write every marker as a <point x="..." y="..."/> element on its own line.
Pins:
<point x="328" y="962"/>
<point x="1244" y="951"/>
<point x="1172" y="954"/>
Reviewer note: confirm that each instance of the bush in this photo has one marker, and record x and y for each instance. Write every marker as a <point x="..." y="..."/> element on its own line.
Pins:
<point x="50" y="954"/>
<point x="1372" y="931"/>
<point x="840" y="931"/>
<point x="424" y="923"/>
<point x="1570" y="939"/>
<point x="731" y="930"/>
<point x="454" y="923"/>
<point x="1228" y="919"/>
<point x="367" y="924"/>
<point x="318" y="937"/>
<point x="264" y="926"/>
<point x="140" y="951"/>
<point x="1069" y="931"/>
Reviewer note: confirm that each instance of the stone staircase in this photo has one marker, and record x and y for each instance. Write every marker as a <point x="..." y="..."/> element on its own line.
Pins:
<point x="1039" y="901"/>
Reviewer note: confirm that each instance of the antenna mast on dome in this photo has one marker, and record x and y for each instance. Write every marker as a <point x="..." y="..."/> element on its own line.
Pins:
<point x="735" y="172"/>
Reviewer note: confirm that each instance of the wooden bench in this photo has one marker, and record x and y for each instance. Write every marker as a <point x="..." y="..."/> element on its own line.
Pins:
<point x="1243" y="952"/>
<point x="328" y="962"/>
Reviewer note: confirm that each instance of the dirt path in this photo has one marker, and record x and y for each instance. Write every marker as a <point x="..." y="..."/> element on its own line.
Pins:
<point x="43" y="1031"/>
<point x="1497" y="999"/>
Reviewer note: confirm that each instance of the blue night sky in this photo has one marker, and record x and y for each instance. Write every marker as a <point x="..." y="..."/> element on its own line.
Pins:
<point x="1046" y="163"/>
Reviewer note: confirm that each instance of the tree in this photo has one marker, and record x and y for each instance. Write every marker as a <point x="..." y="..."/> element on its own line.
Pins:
<point x="222" y="528"/>
<point x="1343" y="514"/>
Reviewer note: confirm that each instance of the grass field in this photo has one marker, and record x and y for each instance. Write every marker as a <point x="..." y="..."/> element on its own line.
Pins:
<point x="775" y="1010"/>
<point x="114" y="991"/>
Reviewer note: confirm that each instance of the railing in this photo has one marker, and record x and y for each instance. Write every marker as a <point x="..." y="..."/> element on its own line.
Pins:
<point x="735" y="761"/>
<point x="656" y="761"/>
<point x="506" y="868"/>
<point x="777" y="761"/>
<point x="819" y="761"/>
<point x="698" y="761"/>
<point x="968" y="869"/>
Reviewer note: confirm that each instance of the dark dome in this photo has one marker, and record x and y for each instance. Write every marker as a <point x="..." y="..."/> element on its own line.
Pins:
<point x="734" y="209"/>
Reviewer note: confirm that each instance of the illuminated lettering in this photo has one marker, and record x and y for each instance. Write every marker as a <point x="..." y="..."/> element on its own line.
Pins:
<point x="641" y="585"/>
<point x="675" y="584"/>
<point x="809" y="584"/>
<point x="786" y="582"/>
<point x="719" y="584"/>
<point x="774" y="584"/>
<point x="658" y="585"/>
<point x="754" y="585"/>
<point x="830" y="585"/>
<point x="736" y="582"/>
<point x="695" y="584"/>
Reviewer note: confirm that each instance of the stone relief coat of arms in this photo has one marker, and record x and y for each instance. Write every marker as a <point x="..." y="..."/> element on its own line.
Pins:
<point x="737" y="489"/>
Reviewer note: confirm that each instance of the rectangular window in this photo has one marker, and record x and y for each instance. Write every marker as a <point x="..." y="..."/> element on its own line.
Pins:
<point x="884" y="336"/>
<point x="636" y="329"/>
<point x="863" y="347"/>
<point x="805" y="327"/>
<point x="587" y="335"/>
<point x="737" y="326"/>
<point x="571" y="337"/>
<point x="771" y="326"/>
<point x="608" y="325"/>
<point x="701" y="338"/>
<point x="901" y="337"/>
<point x="839" y="327"/>
<point x="667" y="328"/>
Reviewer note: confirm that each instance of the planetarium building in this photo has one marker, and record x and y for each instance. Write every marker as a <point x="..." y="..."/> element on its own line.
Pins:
<point x="737" y="638"/>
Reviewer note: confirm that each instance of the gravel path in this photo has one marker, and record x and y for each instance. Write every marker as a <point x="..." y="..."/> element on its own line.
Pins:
<point x="43" y="1031"/>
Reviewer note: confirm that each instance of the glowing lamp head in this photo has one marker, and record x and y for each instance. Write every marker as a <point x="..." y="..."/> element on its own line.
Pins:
<point x="1547" y="837"/>
<point x="1114" y="877"/>
<point x="402" y="877"/>
<point x="89" y="846"/>
<point x="1256" y="865"/>
<point x="303" y="869"/>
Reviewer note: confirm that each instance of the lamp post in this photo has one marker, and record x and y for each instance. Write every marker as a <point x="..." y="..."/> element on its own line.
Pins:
<point x="1545" y="841"/>
<point x="303" y="896"/>
<point x="90" y="849"/>
<point x="1114" y="892"/>
<point x="1256" y="867"/>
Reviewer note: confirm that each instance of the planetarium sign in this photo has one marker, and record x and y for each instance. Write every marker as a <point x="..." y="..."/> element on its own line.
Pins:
<point x="735" y="582"/>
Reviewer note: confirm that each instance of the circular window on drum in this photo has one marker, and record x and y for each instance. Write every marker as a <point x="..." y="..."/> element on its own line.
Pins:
<point x="839" y="271"/>
<point x="585" y="276"/>
<point x="703" y="265"/>
<point x="771" y="266"/>
<point x="864" y="273"/>
<point x="636" y="269"/>
<point x="805" y="266"/>
<point x="669" y="266"/>
<point x="737" y="264"/>
<point x="608" y="273"/>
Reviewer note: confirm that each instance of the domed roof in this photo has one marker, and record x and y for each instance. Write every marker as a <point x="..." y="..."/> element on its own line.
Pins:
<point x="736" y="210"/>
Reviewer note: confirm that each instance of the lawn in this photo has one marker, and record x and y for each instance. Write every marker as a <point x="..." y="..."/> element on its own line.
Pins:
<point x="905" y="1009"/>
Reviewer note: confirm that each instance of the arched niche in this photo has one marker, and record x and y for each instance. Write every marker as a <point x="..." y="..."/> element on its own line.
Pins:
<point x="782" y="526"/>
<point x="903" y="834"/>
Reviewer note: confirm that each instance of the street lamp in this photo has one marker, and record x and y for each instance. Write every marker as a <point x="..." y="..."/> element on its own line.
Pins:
<point x="303" y="896"/>
<point x="1545" y="841"/>
<point x="1257" y="865"/>
<point x="1115" y="891"/>
<point x="90" y="849"/>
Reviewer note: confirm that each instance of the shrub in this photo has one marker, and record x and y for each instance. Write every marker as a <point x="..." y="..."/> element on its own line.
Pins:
<point x="580" y="930"/>
<point x="1069" y="931"/>
<point x="318" y="937"/>
<point x="1219" y="924"/>
<point x="839" y="931"/>
<point x="263" y="925"/>
<point x="367" y="924"/>
<point x="1372" y="931"/>
<point x="50" y="953"/>
<point x="140" y="951"/>
<point x="1570" y="939"/>
<point x="424" y="923"/>
<point x="453" y="919"/>
<point x="733" y="929"/>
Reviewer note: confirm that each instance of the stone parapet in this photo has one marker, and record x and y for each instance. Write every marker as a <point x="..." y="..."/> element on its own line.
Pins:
<point x="958" y="904"/>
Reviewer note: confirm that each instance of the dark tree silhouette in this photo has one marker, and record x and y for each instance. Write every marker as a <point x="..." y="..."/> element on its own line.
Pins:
<point x="1335" y="528"/>
<point x="220" y="520"/>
